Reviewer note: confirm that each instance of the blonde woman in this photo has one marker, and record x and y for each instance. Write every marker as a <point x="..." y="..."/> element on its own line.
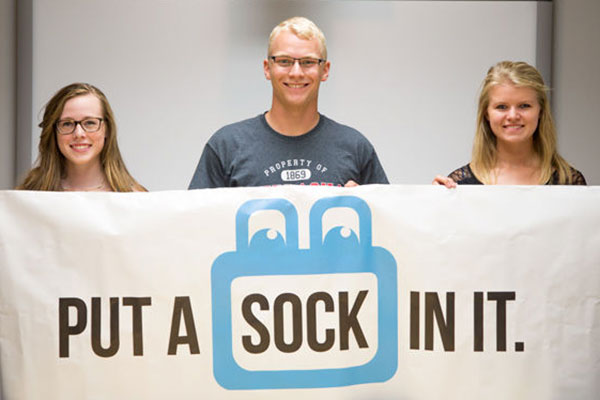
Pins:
<point x="78" y="148"/>
<point x="515" y="140"/>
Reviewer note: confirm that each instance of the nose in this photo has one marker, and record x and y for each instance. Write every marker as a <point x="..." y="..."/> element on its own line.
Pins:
<point x="296" y="69"/>
<point x="513" y="113"/>
<point x="78" y="132"/>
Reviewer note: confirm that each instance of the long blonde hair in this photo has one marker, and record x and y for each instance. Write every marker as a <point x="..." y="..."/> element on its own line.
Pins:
<point x="50" y="164"/>
<point x="485" y="152"/>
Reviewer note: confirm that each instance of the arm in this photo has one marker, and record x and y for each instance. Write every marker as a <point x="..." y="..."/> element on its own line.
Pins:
<point x="372" y="172"/>
<point x="209" y="172"/>
<point x="461" y="176"/>
<point x="444" y="180"/>
<point x="577" y="178"/>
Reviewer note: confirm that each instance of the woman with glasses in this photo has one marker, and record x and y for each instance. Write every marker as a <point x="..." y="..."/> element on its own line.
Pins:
<point x="78" y="148"/>
<point x="515" y="140"/>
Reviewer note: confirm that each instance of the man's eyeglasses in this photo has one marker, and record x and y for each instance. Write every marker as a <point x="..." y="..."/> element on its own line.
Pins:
<point x="288" y="62"/>
<point x="90" y="125"/>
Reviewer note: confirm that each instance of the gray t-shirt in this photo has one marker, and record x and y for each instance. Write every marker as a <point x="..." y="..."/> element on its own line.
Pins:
<point x="251" y="153"/>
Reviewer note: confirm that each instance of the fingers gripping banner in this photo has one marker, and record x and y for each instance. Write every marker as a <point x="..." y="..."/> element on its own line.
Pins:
<point x="372" y="292"/>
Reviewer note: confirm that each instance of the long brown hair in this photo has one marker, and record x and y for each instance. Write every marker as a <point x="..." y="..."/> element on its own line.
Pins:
<point x="485" y="151"/>
<point x="50" y="164"/>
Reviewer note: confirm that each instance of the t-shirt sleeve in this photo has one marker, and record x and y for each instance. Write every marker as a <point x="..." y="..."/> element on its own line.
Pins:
<point x="372" y="171"/>
<point x="209" y="172"/>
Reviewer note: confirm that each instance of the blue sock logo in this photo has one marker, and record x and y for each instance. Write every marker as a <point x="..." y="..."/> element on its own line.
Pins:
<point x="285" y="317"/>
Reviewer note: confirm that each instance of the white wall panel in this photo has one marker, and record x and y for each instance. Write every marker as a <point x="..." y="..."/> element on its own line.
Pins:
<point x="405" y="73"/>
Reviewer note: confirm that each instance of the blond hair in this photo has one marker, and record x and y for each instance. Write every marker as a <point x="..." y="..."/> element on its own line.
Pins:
<point x="301" y="27"/>
<point x="50" y="164"/>
<point x="484" y="155"/>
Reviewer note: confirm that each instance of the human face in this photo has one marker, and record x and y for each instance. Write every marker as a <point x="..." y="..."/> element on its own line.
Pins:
<point x="82" y="148"/>
<point x="295" y="87"/>
<point x="513" y="113"/>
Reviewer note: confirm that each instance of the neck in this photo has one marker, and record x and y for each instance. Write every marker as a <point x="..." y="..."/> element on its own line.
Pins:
<point x="517" y="165"/>
<point x="516" y="155"/>
<point x="292" y="122"/>
<point x="84" y="178"/>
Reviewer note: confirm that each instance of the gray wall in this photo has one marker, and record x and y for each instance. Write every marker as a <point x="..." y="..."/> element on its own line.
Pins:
<point x="576" y="64"/>
<point x="176" y="71"/>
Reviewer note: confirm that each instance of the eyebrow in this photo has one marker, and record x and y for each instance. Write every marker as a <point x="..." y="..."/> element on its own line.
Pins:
<point x="287" y="55"/>
<point x="73" y="119"/>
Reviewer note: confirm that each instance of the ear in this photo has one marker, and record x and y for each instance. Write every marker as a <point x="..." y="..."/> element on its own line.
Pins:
<point x="326" y="68"/>
<point x="266" y="69"/>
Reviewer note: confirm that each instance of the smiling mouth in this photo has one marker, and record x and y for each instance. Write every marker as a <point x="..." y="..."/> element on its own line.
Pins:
<point x="80" y="146"/>
<point x="296" y="85"/>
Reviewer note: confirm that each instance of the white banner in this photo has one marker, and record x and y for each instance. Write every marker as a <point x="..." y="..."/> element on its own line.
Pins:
<point x="375" y="292"/>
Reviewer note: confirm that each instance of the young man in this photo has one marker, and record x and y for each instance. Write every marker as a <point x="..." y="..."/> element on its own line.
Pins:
<point x="292" y="143"/>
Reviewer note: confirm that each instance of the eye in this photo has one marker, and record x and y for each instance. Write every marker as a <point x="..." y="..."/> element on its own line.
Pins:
<point x="308" y="62"/>
<point x="525" y="105"/>
<point x="284" y="61"/>
<point x="90" y="123"/>
<point x="500" y="107"/>
<point x="66" y="124"/>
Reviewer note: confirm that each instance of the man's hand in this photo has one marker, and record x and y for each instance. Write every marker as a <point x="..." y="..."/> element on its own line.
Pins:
<point x="351" y="183"/>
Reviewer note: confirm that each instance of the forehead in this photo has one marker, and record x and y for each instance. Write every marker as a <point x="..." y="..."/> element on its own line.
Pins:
<point x="508" y="92"/>
<point x="287" y="43"/>
<point x="86" y="105"/>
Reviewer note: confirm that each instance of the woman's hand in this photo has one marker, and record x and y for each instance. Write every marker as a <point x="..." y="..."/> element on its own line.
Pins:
<point x="444" y="180"/>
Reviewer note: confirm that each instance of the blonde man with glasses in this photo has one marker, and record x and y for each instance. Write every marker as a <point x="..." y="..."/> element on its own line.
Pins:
<point x="291" y="143"/>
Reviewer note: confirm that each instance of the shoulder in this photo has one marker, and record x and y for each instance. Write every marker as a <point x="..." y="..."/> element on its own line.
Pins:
<point x="577" y="177"/>
<point x="344" y="133"/>
<point x="138" y="188"/>
<point x="237" y="129"/>
<point x="236" y="135"/>
<point x="464" y="176"/>
<point x="330" y="124"/>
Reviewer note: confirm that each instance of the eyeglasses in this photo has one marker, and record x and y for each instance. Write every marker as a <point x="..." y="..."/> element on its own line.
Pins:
<point x="288" y="62"/>
<point x="90" y="125"/>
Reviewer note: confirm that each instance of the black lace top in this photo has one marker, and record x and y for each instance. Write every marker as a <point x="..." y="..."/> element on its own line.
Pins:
<point x="464" y="176"/>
